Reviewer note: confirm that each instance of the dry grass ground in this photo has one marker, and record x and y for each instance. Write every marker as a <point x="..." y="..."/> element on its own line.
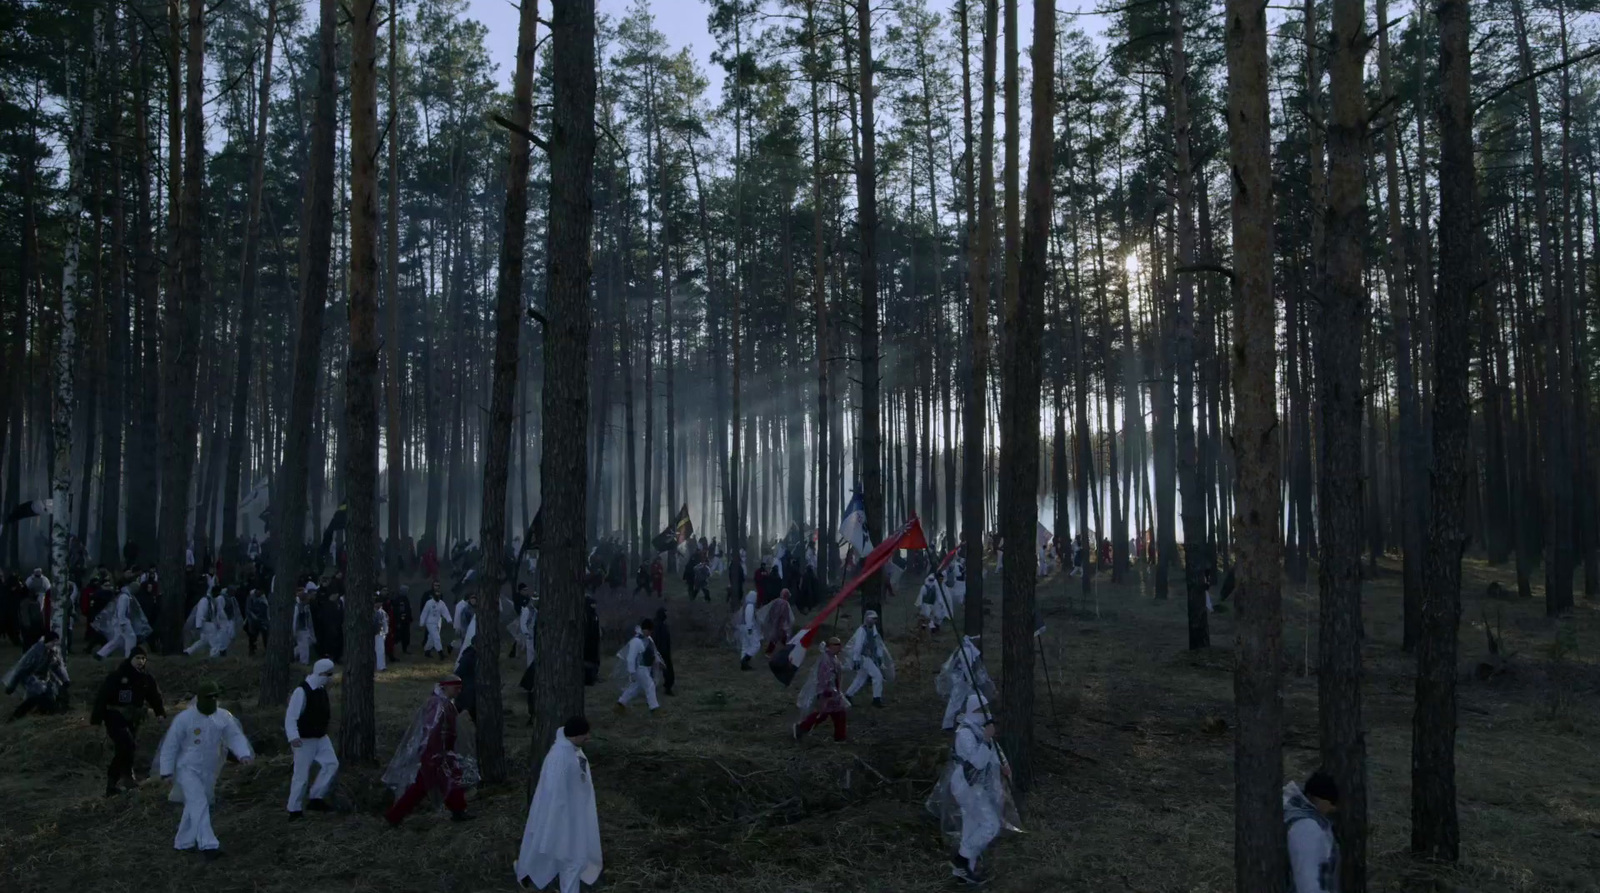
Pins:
<point x="711" y="795"/>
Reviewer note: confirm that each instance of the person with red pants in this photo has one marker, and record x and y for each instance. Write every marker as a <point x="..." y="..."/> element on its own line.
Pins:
<point x="821" y="695"/>
<point x="658" y="578"/>
<point x="426" y="759"/>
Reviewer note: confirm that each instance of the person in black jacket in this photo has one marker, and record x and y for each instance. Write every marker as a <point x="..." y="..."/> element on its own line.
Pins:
<point x="663" y="639"/>
<point x="467" y="669"/>
<point x="123" y="698"/>
<point x="400" y="611"/>
<point x="591" y="641"/>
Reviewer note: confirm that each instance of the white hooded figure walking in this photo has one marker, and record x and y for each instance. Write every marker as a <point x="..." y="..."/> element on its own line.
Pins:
<point x="749" y="630"/>
<point x="962" y="675"/>
<point x="380" y="623"/>
<point x="202" y="625"/>
<point x="931" y="604"/>
<point x="431" y="619"/>
<point x="305" y="630"/>
<point x="123" y="624"/>
<point x="305" y="725"/>
<point x="224" y="621"/>
<point x="526" y="623"/>
<point x="636" y="666"/>
<point x="562" y="834"/>
<point x="191" y="755"/>
<point x="971" y="800"/>
<point x="869" y="656"/>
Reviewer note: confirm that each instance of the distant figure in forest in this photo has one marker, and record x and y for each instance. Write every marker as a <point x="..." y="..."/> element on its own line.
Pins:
<point x="1313" y="850"/>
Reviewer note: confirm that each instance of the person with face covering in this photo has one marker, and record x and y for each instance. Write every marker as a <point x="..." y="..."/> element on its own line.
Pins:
<point x="123" y="624"/>
<point x="120" y="704"/>
<point x="192" y="756"/>
<point x="776" y="620"/>
<point x="431" y="619"/>
<point x="305" y="725"/>
<point x="870" y="658"/>
<point x="749" y="631"/>
<point x="562" y="835"/>
<point x="426" y="759"/>
<point x="42" y="674"/>
<point x="962" y="674"/>
<point x="970" y="800"/>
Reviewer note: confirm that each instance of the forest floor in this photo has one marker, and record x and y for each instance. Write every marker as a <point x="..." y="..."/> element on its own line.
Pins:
<point x="1134" y="760"/>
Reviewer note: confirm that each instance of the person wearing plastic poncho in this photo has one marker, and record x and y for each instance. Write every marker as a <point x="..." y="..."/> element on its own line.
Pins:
<point x="748" y="630"/>
<point x="42" y="674"/>
<point x="637" y="665"/>
<point x="972" y="799"/>
<point x="526" y="621"/>
<point x="192" y="755"/>
<point x="955" y="581"/>
<point x="380" y="627"/>
<point x="869" y="656"/>
<point x="777" y="621"/>
<point x="209" y="626"/>
<point x="820" y="698"/>
<point x="962" y="674"/>
<point x="123" y="624"/>
<point x="305" y="626"/>
<point x="562" y="835"/>
<point x="931" y="605"/>
<point x="426" y="759"/>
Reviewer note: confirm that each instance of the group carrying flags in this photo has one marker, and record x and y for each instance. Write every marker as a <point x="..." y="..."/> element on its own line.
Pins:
<point x="785" y="664"/>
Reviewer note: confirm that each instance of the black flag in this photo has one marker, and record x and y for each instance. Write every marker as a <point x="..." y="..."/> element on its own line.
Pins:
<point x="25" y="510"/>
<point x="336" y="524"/>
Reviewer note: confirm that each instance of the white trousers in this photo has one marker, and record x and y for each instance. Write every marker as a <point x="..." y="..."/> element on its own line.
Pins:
<point x="433" y="643"/>
<point x="194" y="829"/>
<point x="869" y="670"/>
<point x="643" y="682"/>
<point x="318" y="751"/>
<point x="207" y="637"/>
<point x="750" y="642"/>
<point x="122" y="638"/>
<point x="377" y="648"/>
<point x="302" y="647"/>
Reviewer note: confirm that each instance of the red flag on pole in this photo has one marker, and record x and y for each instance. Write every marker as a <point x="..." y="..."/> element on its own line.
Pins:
<point x="909" y="536"/>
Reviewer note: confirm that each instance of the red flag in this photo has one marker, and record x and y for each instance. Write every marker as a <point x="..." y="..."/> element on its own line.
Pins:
<point x="949" y="558"/>
<point x="909" y="536"/>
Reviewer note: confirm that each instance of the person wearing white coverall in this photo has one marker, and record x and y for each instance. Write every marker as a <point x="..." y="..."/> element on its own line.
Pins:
<point x="191" y="755"/>
<point x="305" y="725"/>
<point x="749" y="631"/>
<point x="637" y="663"/>
<point x="380" y="625"/>
<point x="562" y="834"/>
<point x="962" y="674"/>
<point x="976" y="786"/>
<point x="201" y="620"/>
<point x="304" y="627"/>
<point x="431" y="619"/>
<point x="869" y="656"/>
<point x="122" y="634"/>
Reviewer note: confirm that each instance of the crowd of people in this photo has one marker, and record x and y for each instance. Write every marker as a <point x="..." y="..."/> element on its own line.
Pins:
<point x="971" y="800"/>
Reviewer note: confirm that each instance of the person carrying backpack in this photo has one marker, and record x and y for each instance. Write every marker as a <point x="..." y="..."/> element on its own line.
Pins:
<point x="636" y="666"/>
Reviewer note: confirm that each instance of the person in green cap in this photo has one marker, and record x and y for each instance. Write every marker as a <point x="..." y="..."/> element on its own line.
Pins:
<point x="192" y="756"/>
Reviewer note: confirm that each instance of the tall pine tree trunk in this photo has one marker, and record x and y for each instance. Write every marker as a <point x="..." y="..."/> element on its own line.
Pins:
<point x="558" y="687"/>
<point x="508" y="309"/>
<point x="1259" y="858"/>
<point x="316" y="249"/>
<point x="867" y="223"/>
<point x="116" y="385"/>
<point x="980" y="239"/>
<point x="394" y="423"/>
<point x="1434" y="830"/>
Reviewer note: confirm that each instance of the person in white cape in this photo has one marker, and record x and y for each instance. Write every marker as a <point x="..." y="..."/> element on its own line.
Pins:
<point x="380" y="627"/>
<point x="931" y="604"/>
<point x="971" y="800"/>
<point x="191" y="755"/>
<point x="123" y="624"/>
<point x="869" y="656"/>
<point x="562" y="834"/>
<point x="636" y="666"/>
<point x="748" y="631"/>
<point x="431" y="619"/>
<point x="204" y="626"/>
<point x="962" y="674"/>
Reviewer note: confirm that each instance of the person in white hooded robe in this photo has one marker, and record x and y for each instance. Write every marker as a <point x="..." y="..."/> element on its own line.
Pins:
<point x="305" y="628"/>
<point x="123" y="624"/>
<point x="869" y="656"/>
<point x="749" y="631"/>
<point x="931" y="604"/>
<point x="971" y="800"/>
<point x="562" y="835"/>
<point x="636" y="666"/>
<point x="431" y="619"/>
<point x="525" y="625"/>
<point x="200" y="625"/>
<point x="305" y="725"/>
<point x="191" y="755"/>
<point x="962" y="674"/>
<point x="380" y="626"/>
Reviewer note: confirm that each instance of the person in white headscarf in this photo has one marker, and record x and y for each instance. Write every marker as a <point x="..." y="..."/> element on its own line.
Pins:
<point x="869" y="656"/>
<point x="305" y="725"/>
<point x="123" y="624"/>
<point x="431" y="619"/>
<point x="637" y="663"/>
<point x="192" y="756"/>
<point x="562" y="835"/>
<point x="748" y="630"/>
<point x="971" y="800"/>
<point x="305" y="628"/>
<point x="962" y="674"/>
<point x="380" y="627"/>
<point x="931" y="605"/>
<point x="200" y="624"/>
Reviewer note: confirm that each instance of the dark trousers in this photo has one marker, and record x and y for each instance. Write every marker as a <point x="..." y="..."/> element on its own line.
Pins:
<point x="121" y="733"/>
<point x="455" y="801"/>
<point x="402" y="636"/>
<point x="668" y="674"/>
<point x="42" y="703"/>
<point x="254" y="633"/>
